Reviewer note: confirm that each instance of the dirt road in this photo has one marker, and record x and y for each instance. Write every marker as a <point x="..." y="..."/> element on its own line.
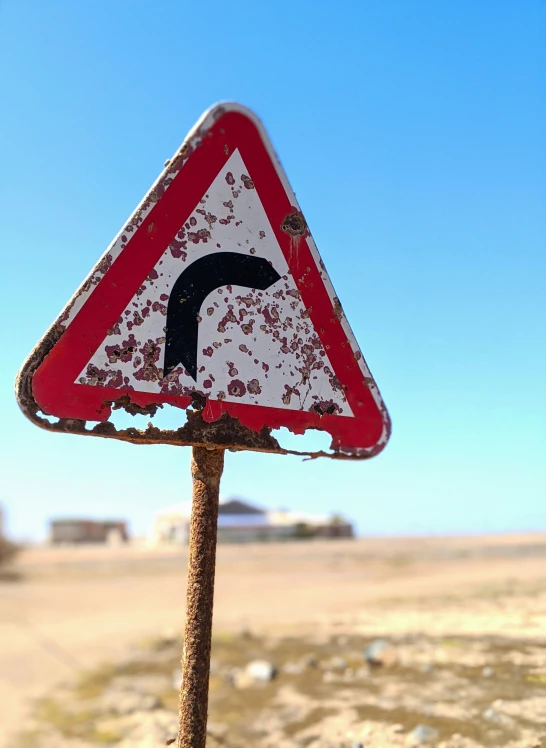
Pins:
<point x="74" y="608"/>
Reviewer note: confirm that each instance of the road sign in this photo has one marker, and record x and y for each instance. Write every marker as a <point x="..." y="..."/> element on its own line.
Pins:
<point x="214" y="292"/>
<point x="212" y="295"/>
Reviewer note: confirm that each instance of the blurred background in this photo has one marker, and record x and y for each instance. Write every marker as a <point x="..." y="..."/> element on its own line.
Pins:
<point x="426" y="124"/>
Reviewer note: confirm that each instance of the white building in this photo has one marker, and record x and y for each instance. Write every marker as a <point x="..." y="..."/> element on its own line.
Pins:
<point x="172" y="524"/>
<point x="239" y="521"/>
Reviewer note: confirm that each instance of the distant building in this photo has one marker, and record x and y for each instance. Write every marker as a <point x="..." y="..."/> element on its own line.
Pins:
<point x="79" y="531"/>
<point x="240" y="521"/>
<point x="172" y="525"/>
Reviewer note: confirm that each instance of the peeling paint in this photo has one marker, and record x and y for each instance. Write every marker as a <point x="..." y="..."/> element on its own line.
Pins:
<point x="294" y="224"/>
<point x="124" y="402"/>
<point x="338" y="309"/>
<point x="273" y="324"/>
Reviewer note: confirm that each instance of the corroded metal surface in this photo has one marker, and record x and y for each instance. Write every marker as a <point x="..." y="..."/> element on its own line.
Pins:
<point x="226" y="432"/>
<point x="265" y="353"/>
<point x="206" y="468"/>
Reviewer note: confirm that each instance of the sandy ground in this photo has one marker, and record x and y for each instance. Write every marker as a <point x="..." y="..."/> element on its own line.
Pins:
<point x="74" y="608"/>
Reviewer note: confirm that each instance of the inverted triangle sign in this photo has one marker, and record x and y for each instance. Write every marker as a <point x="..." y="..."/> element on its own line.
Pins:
<point x="215" y="288"/>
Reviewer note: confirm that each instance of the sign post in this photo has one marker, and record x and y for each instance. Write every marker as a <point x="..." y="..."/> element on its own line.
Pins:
<point x="206" y="469"/>
<point x="212" y="298"/>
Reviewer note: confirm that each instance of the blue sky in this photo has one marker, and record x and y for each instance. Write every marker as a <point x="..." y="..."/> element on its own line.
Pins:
<point x="414" y="135"/>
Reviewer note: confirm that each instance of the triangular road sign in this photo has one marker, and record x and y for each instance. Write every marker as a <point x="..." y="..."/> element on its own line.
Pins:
<point x="213" y="290"/>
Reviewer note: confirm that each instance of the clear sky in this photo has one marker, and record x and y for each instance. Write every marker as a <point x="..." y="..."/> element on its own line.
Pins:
<point x="414" y="134"/>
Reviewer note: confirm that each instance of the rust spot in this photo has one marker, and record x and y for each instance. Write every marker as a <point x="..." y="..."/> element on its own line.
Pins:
<point x="198" y="401"/>
<point x="325" y="408"/>
<point x="338" y="309"/>
<point x="294" y="224"/>
<point x="236" y="388"/>
<point x="254" y="387"/>
<point x="23" y="383"/>
<point x="105" y="429"/>
<point x="176" y="162"/>
<point x="132" y="408"/>
<point x="226" y="432"/>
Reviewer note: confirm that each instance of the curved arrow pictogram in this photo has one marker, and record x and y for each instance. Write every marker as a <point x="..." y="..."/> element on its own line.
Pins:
<point x="191" y="289"/>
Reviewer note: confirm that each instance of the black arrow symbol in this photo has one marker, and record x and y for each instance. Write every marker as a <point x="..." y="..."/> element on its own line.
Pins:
<point x="191" y="289"/>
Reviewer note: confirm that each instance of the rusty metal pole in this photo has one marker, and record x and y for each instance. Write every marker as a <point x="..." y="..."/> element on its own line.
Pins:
<point x="206" y="469"/>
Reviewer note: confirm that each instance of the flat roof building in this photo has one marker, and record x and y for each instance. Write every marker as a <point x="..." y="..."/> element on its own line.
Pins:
<point x="239" y="521"/>
<point x="74" y="531"/>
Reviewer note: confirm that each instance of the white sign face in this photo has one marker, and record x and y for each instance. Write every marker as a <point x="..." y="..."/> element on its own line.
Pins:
<point x="254" y="347"/>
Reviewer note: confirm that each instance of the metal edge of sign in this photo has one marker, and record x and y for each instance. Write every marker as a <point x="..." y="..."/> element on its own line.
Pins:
<point x="226" y="432"/>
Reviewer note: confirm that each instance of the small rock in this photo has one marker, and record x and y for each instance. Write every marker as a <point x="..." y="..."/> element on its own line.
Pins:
<point x="422" y="735"/>
<point x="495" y="713"/>
<point x="261" y="670"/>
<point x="491" y="715"/>
<point x="488" y="672"/>
<point x="257" y="671"/>
<point x="381" y="652"/>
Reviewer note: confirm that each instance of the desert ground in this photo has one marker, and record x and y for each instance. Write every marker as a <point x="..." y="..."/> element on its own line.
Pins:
<point x="461" y="661"/>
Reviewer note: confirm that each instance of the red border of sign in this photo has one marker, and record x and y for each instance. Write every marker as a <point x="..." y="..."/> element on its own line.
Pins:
<point x="231" y="127"/>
